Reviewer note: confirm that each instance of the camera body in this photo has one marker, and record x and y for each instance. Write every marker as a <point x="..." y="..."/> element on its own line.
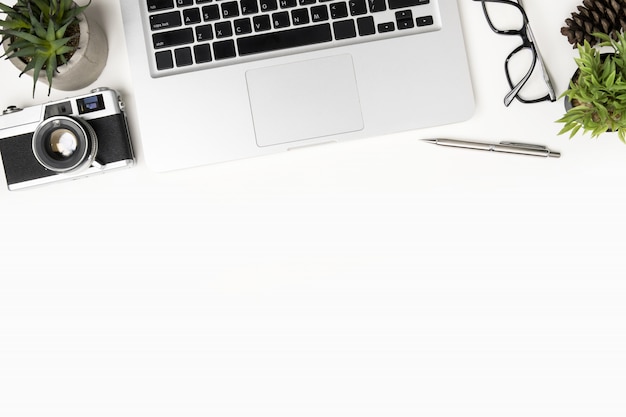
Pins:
<point x="66" y="139"/>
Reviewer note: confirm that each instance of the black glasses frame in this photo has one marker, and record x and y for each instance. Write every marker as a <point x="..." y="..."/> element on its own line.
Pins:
<point x="528" y="42"/>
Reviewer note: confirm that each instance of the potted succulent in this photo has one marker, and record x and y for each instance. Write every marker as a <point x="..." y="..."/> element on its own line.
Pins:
<point x="596" y="98"/>
<point x="53" y="41"/>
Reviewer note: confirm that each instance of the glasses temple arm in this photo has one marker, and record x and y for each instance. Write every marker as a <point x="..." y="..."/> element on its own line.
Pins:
<point x="544" y="68"/>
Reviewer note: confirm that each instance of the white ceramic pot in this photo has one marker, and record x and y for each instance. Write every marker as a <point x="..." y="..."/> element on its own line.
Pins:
<point x="87" y="63"/>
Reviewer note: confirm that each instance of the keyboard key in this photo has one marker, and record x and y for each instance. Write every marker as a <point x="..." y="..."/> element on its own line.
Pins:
<point x="184" y="3"/>
<point x="306" y="35"/>
<point x="165" y="21"/>
<point x="230" y="9"/>
<point x="261" y="23"/>
<point x="210" y="12"/>
<point x="224" y="49"/>
<point x="300" y="16"/>
<point x="155" y="5"/>
<point x="191" y="16"/>
<point x="281" y="20"/>
<point x="424" y="21"/>
<point x="405" y="24"/>
<point x="404" y="19"/>
<point x="164" y="60"/>
<point x="338" y="10"/>
<point x="242" y="26"/>
<point x="306" y="2"/>
<point x="377" y="6"/>
<point x="386" y="27"/>
<point x="172" y="38"/>
<point x="344" y="29"/>
<point x="204" y="33"/>
<point x="403" y="4"/>
<point x="249" y="7"/>
<point x="202" y="53"/>
<point x="404" y="14"/>
<point x="223" y="30"/>
<point x="357" y="7"/>
<point x="268" y="5"/>
<point x="319" y="13"/>
<point x="183" y="57"/>
<point x="366" y="26"/>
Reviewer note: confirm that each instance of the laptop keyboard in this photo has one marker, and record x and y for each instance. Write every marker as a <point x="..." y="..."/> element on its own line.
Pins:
<point x="192" y="34"/>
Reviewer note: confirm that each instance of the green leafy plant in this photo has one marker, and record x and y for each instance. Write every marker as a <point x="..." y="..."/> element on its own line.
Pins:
<point x="598" y="91"/>
<point x="44" y="34"/>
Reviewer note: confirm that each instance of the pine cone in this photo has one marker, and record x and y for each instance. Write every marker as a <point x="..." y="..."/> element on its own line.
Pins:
<point x="604" y="16"/>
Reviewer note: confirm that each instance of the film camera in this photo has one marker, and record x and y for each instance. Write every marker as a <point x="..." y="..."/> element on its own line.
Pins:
<point x="65" y="139"/>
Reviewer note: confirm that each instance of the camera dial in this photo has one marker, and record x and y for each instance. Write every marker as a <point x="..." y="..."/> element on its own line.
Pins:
<point x="11" y="109"/>
<point x="65" y="144"/>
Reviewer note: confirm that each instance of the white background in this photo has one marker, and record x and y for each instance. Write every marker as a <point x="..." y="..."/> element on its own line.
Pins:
<point x="381" y="277"/>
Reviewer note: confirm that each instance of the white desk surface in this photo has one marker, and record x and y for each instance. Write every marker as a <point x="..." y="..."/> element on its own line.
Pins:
<point x="382" y="277"/>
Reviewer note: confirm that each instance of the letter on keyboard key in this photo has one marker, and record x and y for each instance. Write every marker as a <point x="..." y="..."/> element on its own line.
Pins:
<point x="280" y="19"/>
<point x="261" y="23"/>
<point x="191" y="16"/>
<point x="249" y="7"/>
<point x="268" y="5"/>
<point x="204" y="33"/>
<point x="211" y="12"/>
<point x="319" y="13"/>
<point x="230" y="9"/>
<point x="242" y="26"/>
<point x="266" y="42"/>
<point x="300" y="16"/>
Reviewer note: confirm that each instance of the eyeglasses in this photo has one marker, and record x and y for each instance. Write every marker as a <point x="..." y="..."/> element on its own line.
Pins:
<point x="506" y="17"/>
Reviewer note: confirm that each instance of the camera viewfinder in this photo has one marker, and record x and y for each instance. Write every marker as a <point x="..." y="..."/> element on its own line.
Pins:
<point x="90" y="104"/>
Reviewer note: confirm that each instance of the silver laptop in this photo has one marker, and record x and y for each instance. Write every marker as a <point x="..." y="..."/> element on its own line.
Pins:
<point x="217" y="80"/>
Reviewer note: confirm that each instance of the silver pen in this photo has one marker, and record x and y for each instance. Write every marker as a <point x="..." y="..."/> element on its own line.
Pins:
<point x="504" y="147"/>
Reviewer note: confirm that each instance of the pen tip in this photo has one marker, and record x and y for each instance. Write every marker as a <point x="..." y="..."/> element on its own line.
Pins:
<point x="430" y="140"/>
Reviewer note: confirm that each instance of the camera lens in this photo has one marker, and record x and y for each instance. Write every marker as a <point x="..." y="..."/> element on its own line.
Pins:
<point x="64" y="144"/>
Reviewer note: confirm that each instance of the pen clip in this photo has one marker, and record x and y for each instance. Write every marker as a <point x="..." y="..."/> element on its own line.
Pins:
<point x="525" y="145"/>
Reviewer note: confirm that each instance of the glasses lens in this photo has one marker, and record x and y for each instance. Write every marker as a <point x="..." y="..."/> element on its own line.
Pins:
<point x="504" y="17"/>
<point x="518" y="67"/>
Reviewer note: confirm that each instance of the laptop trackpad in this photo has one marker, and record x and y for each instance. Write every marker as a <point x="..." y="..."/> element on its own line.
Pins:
<point x="304" y="100"/>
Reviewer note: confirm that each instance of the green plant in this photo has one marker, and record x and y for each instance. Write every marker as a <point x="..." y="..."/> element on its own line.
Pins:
<point x="598" y="91"/>
<point x="42" y="33"/>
